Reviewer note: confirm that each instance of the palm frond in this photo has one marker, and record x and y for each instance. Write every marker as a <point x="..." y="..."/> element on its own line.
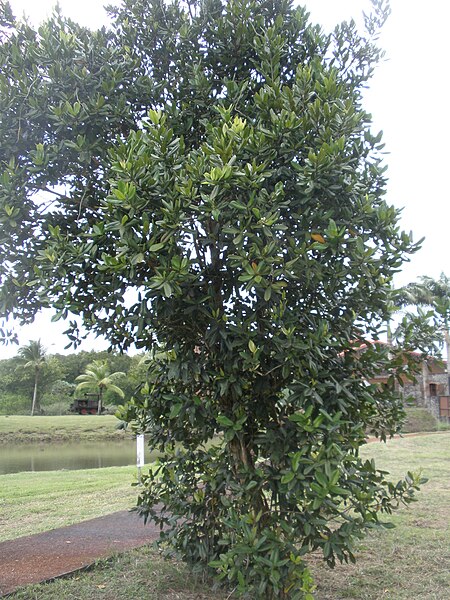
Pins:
<point x="115" y="389"/>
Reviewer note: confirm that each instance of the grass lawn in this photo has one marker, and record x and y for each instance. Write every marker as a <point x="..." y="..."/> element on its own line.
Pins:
<point x="136" y="574"/>
<point x="43" y="500"/>
<point x="411" y="562"/>
<point x="19" y="428"/>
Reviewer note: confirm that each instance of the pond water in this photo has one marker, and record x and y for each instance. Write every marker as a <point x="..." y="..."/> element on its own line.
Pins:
<point x="76" y="455"/>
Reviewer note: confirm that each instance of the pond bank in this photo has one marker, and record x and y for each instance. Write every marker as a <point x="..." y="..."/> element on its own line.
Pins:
<point x="20" y="429"/>
<point x="25" y="437"/>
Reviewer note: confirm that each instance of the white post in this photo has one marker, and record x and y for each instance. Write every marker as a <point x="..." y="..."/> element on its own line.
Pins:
<point x="140" y="446"/>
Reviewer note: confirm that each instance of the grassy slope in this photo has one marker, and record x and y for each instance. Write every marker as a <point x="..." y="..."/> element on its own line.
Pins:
<point x="18" y="428"/>
<point x="406" y="563"/>
<point x="419" y="419"/>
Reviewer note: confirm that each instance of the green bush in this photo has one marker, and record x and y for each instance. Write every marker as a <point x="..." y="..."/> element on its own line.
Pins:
<point x="60" y="391"/>
<point x="419" y="419"/>
<point x="12" y="404"/>
<point x="56" y="408"/>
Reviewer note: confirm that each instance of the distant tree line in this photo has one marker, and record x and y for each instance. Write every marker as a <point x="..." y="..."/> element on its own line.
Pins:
<point x="56" y="379"/>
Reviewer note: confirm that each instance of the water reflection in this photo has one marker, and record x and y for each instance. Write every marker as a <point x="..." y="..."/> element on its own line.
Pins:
<point x="81" y="455"/>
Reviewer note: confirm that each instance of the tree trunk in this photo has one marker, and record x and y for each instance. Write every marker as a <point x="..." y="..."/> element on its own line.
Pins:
<point x="35" y="404"/>
<point x="425" y="385"/>
<point x="100" y="395"/>
<point x="243" y="460"/>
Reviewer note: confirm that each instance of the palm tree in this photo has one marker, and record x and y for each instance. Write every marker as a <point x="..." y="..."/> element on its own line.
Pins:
<point x="97" y="377"/>
<point x="434" y="293"/>
<point x="395" y="304"/>
<point x="399" y="300"/>
<point x="33" y="357"/>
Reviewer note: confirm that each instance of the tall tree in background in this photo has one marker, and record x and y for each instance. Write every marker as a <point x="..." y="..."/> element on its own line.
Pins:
<point x="97" y="377"/>
<point x="213" y="189"/>
<point x="32" y="357"/>
<point x="435" y="294"/>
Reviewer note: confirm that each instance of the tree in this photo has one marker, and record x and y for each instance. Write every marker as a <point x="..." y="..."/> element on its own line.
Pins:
<point x="33" y="357"/>
<point x="214" y="191"/>
<point x="98" y="377"/>
<point x="12" y="399"/>
<point x="58" y="397"/>
<point x="136" y="374"/>
<point x="435" y="294"/>
<point x="17" y="384"/>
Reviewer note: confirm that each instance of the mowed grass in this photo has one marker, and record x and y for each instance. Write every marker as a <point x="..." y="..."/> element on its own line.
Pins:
<point x="38" y="501"/>
<point x="411" y="562"/>
<point x="20" y="429"/>
<point x="138" y="574"/>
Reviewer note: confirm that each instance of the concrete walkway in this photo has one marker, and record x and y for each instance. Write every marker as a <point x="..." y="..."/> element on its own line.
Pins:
<point x="44" y="556"/>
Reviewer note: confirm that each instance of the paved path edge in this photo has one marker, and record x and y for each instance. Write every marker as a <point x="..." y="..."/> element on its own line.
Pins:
<point x="50" y="555"/>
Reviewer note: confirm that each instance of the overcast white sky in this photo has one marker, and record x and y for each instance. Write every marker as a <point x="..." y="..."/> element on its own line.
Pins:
<point x="408" y="99"/>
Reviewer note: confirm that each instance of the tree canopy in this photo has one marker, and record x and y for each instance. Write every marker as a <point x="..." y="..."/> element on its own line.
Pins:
<point x="202" y="179"/>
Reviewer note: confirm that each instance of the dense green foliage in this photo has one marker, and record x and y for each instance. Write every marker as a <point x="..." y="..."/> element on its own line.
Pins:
<point x="214" y="192"/>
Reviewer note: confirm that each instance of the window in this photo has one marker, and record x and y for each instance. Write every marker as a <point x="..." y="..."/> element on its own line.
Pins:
<point x="433" y="389"/>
